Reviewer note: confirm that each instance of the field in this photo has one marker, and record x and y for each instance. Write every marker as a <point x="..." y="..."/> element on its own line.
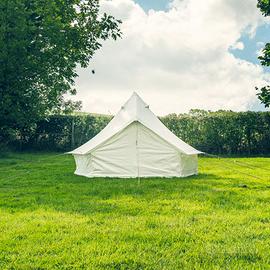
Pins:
<point x="52" y="219"/>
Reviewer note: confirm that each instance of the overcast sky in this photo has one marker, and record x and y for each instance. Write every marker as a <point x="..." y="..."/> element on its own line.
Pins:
<point x="178" y="55"/>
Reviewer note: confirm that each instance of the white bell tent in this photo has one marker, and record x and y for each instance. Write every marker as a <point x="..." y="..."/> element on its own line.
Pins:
<point x="135" y="144"/>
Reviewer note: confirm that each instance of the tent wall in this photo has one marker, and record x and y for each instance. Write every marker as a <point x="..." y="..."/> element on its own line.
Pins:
<point x="156" y="156"/>
<point x="117" y="156"/>
<point x="135" y="151"/>
<point x="189" y="165"/>
<point x="83" y="164"/>
<point x="114" y="158"/>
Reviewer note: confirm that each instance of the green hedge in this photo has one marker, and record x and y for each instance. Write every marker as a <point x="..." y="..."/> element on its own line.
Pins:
<point x="56" y="132"/>
<point x="223" y="132"/>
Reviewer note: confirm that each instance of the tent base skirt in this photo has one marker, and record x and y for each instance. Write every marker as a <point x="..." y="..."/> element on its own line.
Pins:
<point x="134" y="176"/>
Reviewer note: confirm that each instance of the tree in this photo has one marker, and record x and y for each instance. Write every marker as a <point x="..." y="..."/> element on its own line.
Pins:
<point x="41" y="44"/>
<point x="264" y="94"/>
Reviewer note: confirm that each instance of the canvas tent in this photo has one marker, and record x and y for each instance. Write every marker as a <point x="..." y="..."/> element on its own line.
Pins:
<point x="135" y="144"/>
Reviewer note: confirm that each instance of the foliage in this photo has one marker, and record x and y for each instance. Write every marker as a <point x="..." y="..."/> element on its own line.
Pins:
<point x="264" y="94"/>
<point x="55" y="133"/>
<point x="52" y="219"/>
<point x="264" y="6"/>
<point x="42" y="42"/>
<point x="222" y="132"/>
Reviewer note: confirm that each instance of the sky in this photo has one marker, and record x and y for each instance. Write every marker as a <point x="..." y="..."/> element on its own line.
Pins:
<point x="179" y="55"/>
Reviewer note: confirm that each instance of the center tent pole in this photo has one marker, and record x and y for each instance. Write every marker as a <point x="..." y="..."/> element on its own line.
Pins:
<point x="137" y="154"/>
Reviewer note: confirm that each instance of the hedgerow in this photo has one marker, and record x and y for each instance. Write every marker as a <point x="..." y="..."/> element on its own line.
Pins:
<point x="222" y="132"/>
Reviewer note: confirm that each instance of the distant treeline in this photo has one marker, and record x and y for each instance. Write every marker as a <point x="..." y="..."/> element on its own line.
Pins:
<point x="222" y="132"/>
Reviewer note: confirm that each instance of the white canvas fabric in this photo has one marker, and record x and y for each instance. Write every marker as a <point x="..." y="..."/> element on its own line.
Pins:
<point x="135" y="144"/>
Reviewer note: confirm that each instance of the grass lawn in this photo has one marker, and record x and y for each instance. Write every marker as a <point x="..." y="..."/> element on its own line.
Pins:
<point x="52" y="219"/>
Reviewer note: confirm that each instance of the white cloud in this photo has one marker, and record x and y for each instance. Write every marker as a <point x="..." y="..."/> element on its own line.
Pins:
<point x="260" y="44"/>
<point x="238" y="46"/>
<point x="176" y="60"/>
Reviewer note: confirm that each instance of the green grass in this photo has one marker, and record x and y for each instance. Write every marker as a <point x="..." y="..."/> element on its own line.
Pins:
<point x="52" y="219"/>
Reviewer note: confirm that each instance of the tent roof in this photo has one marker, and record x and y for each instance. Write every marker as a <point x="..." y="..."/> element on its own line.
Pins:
<point x="135" y="109"/>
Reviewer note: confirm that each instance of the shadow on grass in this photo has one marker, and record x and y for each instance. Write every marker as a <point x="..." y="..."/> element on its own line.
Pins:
<point x="51" y="184"/>
<point x="63" y="191"/>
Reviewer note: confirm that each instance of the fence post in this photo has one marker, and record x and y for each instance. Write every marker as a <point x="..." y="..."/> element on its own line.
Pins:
<point x="72" y="133"/>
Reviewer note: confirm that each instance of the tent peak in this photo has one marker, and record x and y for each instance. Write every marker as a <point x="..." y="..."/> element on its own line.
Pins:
<point x="136" y="95"/>
<point x="135" y="107"/>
